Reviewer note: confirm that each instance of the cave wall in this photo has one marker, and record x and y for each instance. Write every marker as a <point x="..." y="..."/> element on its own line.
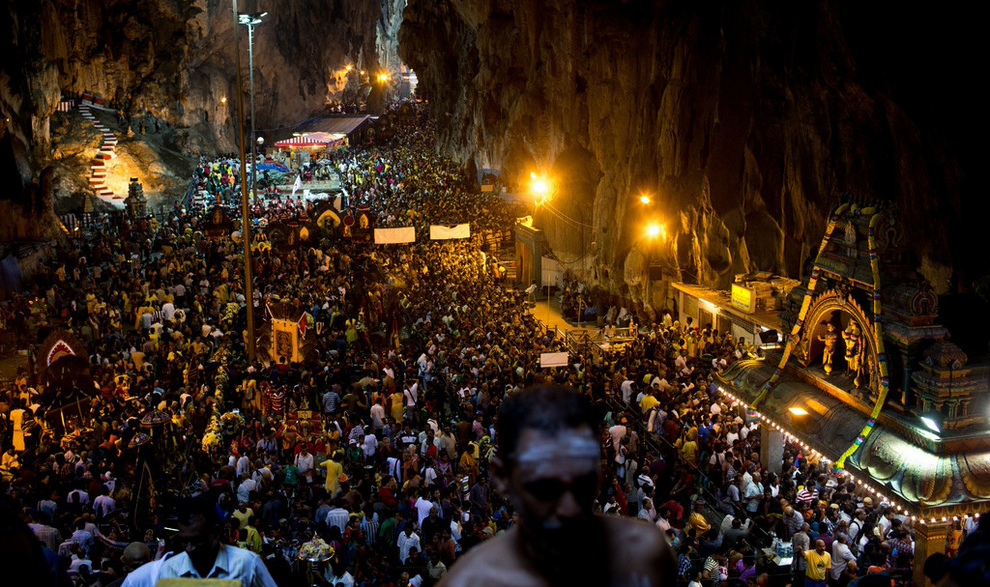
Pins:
<point x="168" y="63"/>
<point x="745" y="121"/>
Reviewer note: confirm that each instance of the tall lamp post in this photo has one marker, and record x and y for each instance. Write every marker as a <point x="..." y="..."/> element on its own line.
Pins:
<point x="542" y="193"/>
<point x="250" y="20"/>
<point x="245" y="212"/>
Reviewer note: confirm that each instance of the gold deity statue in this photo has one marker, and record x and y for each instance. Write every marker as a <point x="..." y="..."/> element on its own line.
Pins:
<point x="829" y="338"/>
<point x="854" y="351"/>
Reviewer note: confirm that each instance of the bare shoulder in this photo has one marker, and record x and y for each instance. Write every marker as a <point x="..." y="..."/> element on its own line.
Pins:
<point x="494" y="562"/>
<point x="634" y="533"/>
<point x="643" y="547"/>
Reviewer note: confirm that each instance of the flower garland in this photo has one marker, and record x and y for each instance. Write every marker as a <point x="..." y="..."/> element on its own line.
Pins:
<point x="214" y="433"/>
<point x="881" y="352"/>
<point x="884" y="387"/>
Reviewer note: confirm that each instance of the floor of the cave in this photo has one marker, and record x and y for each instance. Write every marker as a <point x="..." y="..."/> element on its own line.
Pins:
<point x="549" y="314"/>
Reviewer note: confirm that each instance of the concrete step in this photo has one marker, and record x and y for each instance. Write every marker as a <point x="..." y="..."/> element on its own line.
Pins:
<point x="97" y="163"/>
<point x="107" y="148"/>
<point x="97" y="181"/>
<point x="103" y="156"/>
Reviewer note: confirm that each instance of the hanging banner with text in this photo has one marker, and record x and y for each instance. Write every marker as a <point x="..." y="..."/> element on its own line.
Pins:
<point x="395" y="236"/>
<point x="440" y="232"/>
<point x="553" y="360"/>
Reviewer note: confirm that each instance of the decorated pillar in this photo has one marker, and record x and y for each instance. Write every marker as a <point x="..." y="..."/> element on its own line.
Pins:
<point x="771" y="449"/>
<point x="928" y="539"/>
<point x="907" y="361"/>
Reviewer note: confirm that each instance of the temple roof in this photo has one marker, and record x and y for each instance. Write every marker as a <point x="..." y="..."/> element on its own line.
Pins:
<point x="927" y="477"/>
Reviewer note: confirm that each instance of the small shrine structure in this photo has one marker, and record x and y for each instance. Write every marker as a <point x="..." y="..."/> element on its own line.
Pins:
<point x="869" y="380"/>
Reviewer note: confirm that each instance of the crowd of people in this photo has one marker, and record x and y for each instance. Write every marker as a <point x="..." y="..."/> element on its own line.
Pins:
<point x="175" y="441"/>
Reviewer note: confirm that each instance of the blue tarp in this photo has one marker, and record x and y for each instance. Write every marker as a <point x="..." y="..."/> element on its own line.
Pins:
<point x="273" y="167"/>
<point x="10" y="275"/>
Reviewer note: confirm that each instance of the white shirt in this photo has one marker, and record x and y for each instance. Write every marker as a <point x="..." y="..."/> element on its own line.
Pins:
<point x="338" y="517"/>
<point x="346" y="579"/>
<point x="78" y="496"/>
<point x="103" y="505"/>
<point x="377" y="416"/>
<point x="304" y="463"/>
<point x="405" y="543"/>
<point x="243" y="465"/>
<point x="841" y="555"/>
<point x="626" y="388"/>
<point x="370" y="444"/>
<point x="231" y="563"/>
<point x="244" y="490"/>
<point x="423" y="507"/>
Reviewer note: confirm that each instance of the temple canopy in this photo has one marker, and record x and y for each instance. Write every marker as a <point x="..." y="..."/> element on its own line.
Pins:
<point x="312" y="139"/>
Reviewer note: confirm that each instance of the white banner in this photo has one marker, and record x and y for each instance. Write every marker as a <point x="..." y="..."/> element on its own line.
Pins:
<point x="392" y="236"/>
<point x="440" y="232"/>
<point x="553" y="359"/>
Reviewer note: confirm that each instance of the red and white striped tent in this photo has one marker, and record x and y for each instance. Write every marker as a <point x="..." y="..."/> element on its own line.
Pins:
<point x="313" y="139"/>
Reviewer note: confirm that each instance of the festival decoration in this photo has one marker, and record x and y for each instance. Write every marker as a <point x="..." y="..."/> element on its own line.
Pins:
<point x="316" y="550"/>
<point x="155" y="417"/>
<point x="231" y="423"/>
<point x="850" y="210"/>
<point x="138" y="439"/>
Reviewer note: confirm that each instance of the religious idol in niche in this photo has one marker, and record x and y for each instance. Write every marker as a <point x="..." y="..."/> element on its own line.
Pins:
<point x="829" y="338"/>
<point x="854" y="351"/>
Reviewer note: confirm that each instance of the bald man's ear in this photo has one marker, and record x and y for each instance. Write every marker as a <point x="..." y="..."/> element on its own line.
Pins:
<point x="500" y="475"/>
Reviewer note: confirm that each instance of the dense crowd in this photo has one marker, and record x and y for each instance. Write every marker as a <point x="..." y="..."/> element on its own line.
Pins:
<point x="413" y="349"/>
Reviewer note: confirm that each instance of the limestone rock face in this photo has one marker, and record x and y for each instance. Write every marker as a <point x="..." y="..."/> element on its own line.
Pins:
<point x="167" y="65"/>
<point x="745" y="121"/>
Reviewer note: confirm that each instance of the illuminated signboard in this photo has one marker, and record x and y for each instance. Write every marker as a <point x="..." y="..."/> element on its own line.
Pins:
<point x="742" y="298"/>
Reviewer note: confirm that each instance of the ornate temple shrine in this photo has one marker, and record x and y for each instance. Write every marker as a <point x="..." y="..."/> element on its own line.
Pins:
<point x="869" y="379"/>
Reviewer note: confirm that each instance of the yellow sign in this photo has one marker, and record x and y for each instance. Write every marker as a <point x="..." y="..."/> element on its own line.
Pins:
<point x="742" y="298"/>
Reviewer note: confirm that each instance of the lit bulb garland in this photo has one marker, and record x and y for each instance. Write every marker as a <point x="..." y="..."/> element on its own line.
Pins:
<point x="792" y="438"/>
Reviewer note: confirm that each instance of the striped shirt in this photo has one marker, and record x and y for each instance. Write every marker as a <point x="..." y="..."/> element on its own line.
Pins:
<point x="370" y="530"/>
<point x="807" y="495"/>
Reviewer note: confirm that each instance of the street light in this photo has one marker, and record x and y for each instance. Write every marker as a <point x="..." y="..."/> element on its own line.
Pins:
<point x="250" y="20"/>
<point x="383" y="77"/>
<point x="653" y="230"/>
<point x="644" y="199"/>
<point x="245" y="212"/>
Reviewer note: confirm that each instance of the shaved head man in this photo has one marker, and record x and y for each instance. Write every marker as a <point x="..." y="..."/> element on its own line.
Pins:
<point x="548" y="468"/>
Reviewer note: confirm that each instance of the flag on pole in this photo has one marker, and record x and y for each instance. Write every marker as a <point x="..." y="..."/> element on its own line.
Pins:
<point x="297" y="185"/>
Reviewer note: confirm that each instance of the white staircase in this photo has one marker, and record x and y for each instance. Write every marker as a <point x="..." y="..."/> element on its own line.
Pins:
<point x="98" y="166"/>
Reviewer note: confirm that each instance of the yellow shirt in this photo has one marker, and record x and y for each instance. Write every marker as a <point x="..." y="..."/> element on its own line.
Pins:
<point x="648" y="402"/>
<point x="690" y="451"/>
<point x="334" y="469"/>
<point x="818" y="564"/>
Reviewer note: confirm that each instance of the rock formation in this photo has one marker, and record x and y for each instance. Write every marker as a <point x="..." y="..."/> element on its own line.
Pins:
<point x="167" y="65"/>
<point x="745" y="121"/>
